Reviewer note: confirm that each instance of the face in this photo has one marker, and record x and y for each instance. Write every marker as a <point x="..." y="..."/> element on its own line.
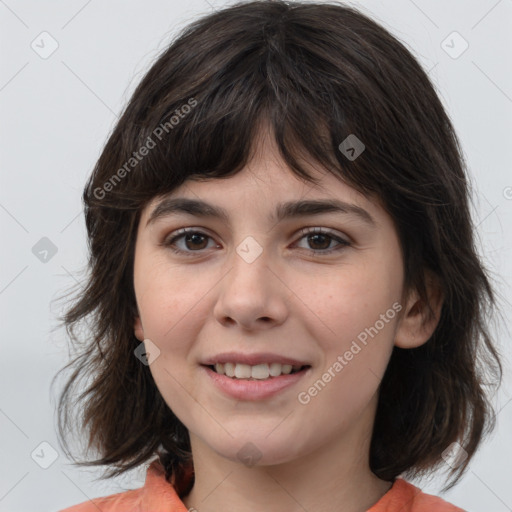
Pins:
<point x="319" y="290"/>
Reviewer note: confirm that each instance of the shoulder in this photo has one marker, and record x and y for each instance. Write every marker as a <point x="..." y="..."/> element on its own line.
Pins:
<point x="112" y="503"/>
<point x="407" y="497"/>
<point x="157" y="494"/>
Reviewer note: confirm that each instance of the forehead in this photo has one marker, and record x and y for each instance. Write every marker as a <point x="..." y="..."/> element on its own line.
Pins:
<point x="266" y="183"/>
<point x="226" y="204"/>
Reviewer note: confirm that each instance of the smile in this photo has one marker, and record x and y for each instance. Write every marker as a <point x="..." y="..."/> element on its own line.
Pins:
<point x="250" y="388"/>
<point x="256" y="372"/>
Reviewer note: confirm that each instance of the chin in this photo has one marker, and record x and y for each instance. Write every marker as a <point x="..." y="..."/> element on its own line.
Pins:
<point x="257" y="450"/>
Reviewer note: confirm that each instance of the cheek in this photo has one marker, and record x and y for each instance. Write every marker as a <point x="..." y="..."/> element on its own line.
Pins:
<point x="168" y="298"/>
<point x="355" y="360"/>
<point x="173" y="306"/>
<point x="350" y="300"/>
<point x="355" y="324"/>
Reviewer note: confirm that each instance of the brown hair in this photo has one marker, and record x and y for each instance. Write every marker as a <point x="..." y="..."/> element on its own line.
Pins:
<point x="316" y="73"/>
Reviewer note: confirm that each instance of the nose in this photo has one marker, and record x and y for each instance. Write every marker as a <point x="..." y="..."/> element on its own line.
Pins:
<point x="252" y="295"/>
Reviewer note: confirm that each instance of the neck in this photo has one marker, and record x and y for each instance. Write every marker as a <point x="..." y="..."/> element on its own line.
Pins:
<point x="332" y="478"/>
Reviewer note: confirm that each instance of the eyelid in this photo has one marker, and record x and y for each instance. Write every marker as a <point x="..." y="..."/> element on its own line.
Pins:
<point x="325" y="231"/>
<point x="170" y="240"/>
<point x="314" y="228"/>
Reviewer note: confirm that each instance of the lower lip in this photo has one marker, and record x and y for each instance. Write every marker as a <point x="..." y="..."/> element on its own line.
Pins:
<point x="243" y="389"/>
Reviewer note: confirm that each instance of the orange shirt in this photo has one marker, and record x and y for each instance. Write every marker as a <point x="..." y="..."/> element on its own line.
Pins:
<point x="158" y="495"/>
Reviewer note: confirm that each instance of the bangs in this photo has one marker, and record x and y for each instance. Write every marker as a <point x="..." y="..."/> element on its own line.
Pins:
<point x="216" y="134"/>
<point x="207" y="124"/>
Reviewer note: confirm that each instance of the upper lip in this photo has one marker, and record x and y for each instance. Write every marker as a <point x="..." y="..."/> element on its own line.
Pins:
<point x="252" y="359"/>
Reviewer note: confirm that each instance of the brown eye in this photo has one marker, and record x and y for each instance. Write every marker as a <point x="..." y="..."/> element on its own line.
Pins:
<point x="320" y="241"/>
<point x="191" y="241"/>
<point x="188" y="241"/>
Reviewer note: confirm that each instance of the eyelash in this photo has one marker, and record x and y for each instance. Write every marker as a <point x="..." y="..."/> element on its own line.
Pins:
<point x="304" y="232"/>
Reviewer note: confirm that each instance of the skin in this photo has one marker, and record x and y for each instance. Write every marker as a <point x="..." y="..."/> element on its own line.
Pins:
<point x="289" y="301"/>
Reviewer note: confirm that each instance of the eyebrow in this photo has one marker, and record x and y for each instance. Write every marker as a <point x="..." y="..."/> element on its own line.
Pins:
<point x="292" y="209"/>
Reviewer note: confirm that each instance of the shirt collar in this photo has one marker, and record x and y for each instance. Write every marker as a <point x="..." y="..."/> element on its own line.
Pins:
<point x="161" y="494"/>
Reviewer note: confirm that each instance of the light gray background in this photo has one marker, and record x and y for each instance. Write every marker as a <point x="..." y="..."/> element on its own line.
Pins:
<point x="56" y="113"/>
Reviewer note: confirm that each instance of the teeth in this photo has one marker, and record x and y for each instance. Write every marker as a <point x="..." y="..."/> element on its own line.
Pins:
<point x="258" y="371"/>
<point x="286" y="369"/>
<point x="242" y="371"/>
<point x="229" y="369"/>
<point x="275" y="369"/>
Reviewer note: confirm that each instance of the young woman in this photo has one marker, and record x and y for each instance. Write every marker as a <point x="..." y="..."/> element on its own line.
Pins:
<point x="285" y="303"/>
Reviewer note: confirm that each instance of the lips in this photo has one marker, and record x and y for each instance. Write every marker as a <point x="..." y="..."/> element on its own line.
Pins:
<point x="258" y="371"/>
<point x="253" y="359"/>
<point x="257" y="366"/>
<point x="254" y="388"/>
<point x="254" y="376"/>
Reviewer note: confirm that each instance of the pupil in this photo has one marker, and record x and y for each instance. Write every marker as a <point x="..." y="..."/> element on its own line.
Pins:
<point x="325" y="237"/>
<point x="192" y="238"/>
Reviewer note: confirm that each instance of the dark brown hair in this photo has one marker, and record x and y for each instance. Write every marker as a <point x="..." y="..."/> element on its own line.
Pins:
<point x="316" y="73"/>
